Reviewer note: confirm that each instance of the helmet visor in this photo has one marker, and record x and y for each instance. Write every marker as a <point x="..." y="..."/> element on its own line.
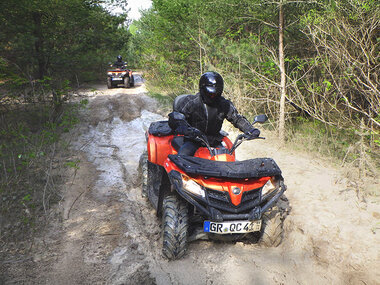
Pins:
<point x="211" y="91"/>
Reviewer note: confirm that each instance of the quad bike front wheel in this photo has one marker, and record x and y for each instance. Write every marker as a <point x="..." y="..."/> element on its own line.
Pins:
<point x="132" y="81"/>
<point x="109" y="83"/>
<point x="272" y="228"/>
<point x="174" y="227"/>
<point x="143" y="170"/>
<point x="127" y="83"/>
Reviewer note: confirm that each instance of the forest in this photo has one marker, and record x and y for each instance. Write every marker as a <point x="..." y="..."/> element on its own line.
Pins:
<point x="70" y="203"/>
<point x="312" y="66"/>
<point x="313" y="62"/>
<point x="295" y="60"/>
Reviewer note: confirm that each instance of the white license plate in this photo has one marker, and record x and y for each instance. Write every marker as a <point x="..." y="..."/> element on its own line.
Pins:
<point x="232" y="227"/>
<point x="117" y="78"/>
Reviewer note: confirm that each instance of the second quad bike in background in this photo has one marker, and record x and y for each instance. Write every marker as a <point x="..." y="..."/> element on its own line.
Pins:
<point x="123" y="75"/>
<point x="210" y="195"/>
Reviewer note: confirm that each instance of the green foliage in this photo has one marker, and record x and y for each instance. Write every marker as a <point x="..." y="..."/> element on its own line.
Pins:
<point x="314" y="136"/>
<point x="338" y="76"/>
<point x="180" y="39"/>
<point x="331" y="60"/>
<point x="165" y="100"/>
<point x="177" y="40"/>
<point x="64" y="40"/>
<point x="73" y="164"/>
<point x="28" y="140"/>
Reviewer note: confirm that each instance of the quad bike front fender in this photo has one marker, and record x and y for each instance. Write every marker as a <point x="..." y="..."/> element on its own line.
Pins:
<point x="157" y="185"/>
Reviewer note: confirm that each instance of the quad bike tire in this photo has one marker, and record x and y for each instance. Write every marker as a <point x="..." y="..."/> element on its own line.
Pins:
<point x="143" y="170"/>
<point x="175" y="224"/>
<point x="272" y="228"/>
<point x="127" y="82"/>
<point x="132" y="81"/>
<point x="109" y="83"/>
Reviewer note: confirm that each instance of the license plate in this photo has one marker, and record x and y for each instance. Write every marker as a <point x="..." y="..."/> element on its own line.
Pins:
<point x="232" y="227"/>
<point x="116" y="78"/>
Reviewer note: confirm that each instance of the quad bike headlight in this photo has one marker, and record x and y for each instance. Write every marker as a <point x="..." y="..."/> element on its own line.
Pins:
<point x="192" y="187"/>
<point x="109" y="73"/>
<point x="268" y="187"/>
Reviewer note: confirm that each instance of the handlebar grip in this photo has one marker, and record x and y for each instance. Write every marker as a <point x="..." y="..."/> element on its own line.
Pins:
<point x="252" y="137"/>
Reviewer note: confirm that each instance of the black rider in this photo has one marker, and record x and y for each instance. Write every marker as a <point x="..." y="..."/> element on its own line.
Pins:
<point x="204" y="113"/>
<point x="119" y="63"/>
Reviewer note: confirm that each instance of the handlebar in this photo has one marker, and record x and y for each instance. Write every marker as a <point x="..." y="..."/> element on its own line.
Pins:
<point x="238" y="141"/>
<point x="204" y="140"/>
<point x="240" y="138"/>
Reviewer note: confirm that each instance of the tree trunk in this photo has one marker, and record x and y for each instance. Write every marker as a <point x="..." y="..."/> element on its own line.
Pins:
<point x="200" y="50"/>
<point x="281" y="127"/>
<point x="38" y="44"/>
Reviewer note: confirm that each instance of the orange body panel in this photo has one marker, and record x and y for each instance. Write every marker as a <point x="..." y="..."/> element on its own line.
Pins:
<point x="203" y="152"/>
<point x="223" y="184"/>
<point x="160" y="147"/>
<point x="227" y="185"/>
<point x="121" y="71"/>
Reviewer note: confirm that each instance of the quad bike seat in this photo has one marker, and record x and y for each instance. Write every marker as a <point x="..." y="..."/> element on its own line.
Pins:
<point x="160" y="129"/>
<point x="251" y="168"/>
<point x="177" y="142"/>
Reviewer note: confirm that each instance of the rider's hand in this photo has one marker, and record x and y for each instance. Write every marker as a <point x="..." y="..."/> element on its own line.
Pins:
<point x="188" y="131"/>
<point x="253" y="133"/>
<point x="193" y="132"/>
<point x="182" y="130"/>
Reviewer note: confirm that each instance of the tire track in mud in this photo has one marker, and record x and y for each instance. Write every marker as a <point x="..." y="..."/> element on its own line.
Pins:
<point x="114" y="146"/>
<point x="126" y="139"/>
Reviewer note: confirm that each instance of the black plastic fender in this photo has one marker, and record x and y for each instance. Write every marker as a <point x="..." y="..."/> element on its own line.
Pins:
<point x="158" y="185"/>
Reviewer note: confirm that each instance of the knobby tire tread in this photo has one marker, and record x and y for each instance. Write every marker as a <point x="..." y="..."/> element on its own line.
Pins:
<point x="174" y="227"/>
<point x="143" y="171"/>
<point x="272" y="230"/>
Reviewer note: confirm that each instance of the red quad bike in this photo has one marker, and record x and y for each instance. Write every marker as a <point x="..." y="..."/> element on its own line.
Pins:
<point x="210" y="195"/>
<point x="116" y="76"/>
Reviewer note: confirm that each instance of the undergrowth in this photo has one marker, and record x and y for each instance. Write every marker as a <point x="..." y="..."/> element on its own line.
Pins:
<point x="30" y="139"/>
<point x="165" y="100"/>
<point x="358" y="152"/>
<point x="330" y="141"/>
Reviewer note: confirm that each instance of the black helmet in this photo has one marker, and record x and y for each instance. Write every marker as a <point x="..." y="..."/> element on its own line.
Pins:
<point x="211" y="87"/>
<point x="119" y="58"/>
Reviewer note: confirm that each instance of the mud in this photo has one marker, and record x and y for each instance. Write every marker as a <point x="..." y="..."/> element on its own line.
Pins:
<point x="109" y="234"/>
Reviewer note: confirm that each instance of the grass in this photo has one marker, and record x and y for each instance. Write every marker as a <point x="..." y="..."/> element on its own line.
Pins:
<point x="314" y="136"/>
<point x="342" y="147"/>
<point x="165" y="100"/>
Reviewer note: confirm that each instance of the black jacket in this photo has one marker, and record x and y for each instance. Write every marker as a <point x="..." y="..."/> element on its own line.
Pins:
<point x="119" y="64"/>
<point x="208" y="119"/>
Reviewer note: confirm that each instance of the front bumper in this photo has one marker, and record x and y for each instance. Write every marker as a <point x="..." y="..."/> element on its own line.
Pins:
<point x="220" y="209"/>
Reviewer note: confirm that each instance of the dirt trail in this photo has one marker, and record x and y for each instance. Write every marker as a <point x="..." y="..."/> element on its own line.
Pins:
<point x="110" y="234"/>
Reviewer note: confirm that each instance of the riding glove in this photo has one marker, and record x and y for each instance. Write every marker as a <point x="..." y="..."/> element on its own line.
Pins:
<point x="188" y="131"/>
<point x="253" y="133"/>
